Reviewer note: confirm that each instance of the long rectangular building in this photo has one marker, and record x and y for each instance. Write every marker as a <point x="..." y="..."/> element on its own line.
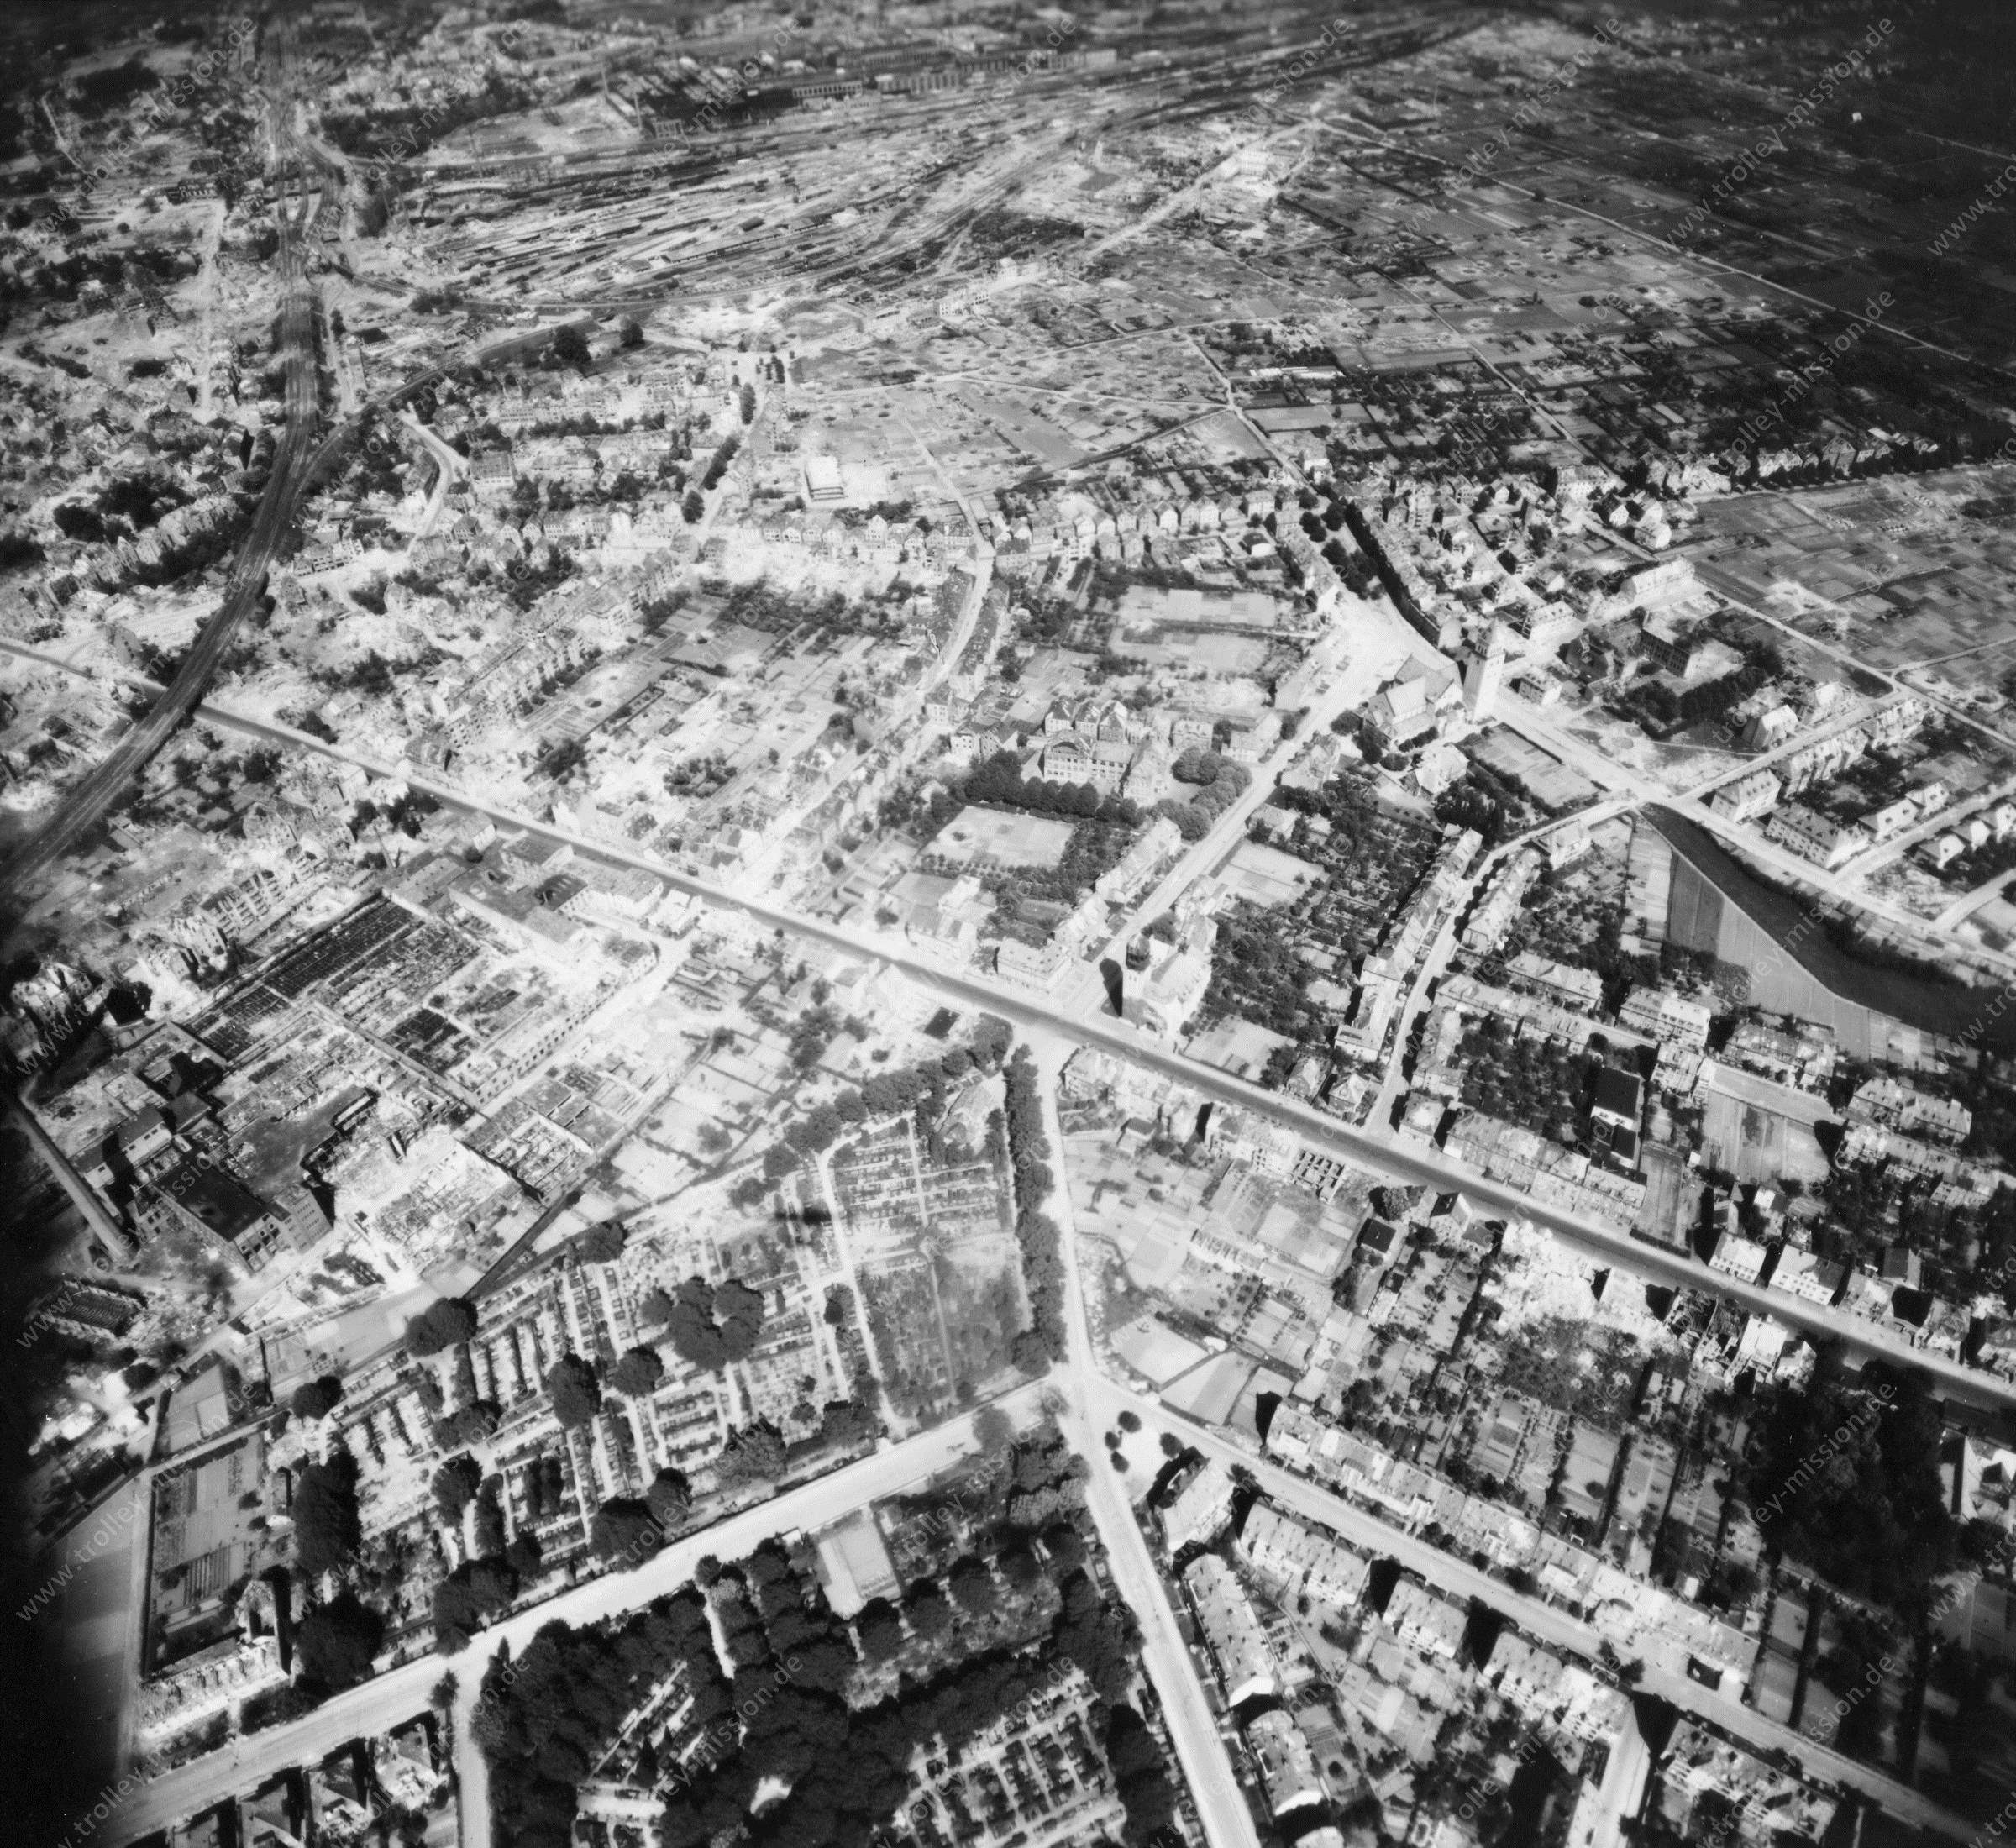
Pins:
<point x="1284" y="1549"/>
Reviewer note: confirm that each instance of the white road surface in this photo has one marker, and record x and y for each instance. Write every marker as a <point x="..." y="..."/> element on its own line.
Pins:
<point x="390" y="1698"/>
<point x="1207" y="1765"/>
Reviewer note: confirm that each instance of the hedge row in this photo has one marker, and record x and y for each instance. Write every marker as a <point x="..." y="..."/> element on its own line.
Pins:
<point x="1043" y="1259"/>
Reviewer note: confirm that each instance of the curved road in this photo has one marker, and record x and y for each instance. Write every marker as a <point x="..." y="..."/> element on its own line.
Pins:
<point x="295" y="470"/>
<point x="86" y="803"/>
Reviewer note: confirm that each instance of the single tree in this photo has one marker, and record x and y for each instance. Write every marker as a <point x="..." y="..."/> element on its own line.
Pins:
<point x="455" y="1485"/>
<point x="671" y="1498"/>
<point x="880" y="1630"/>
<point x="993" y="1430"/>
<point x="930" y="1615"/>
<point x="577" y="1393"/>
<point x="637" y="1373"/>
<point x="971" y="1584"/>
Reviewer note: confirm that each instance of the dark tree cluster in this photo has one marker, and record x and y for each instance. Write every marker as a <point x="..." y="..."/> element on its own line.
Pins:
<point x="754" y="1453"/>
<point x="1867" y="1514"/>
<point x="813" y="1032"/>
<point x="327" y="1530"/>
<point x="338" y="1641"/>
<point x="470" y="1423"/>
<point x="476" y="1589"/>
<point x="669" y="1498"/>
<point x="627" y="1531"/>
<point x="1663" y="710"/>
<point x="800" y="1633"/>
<point x="718" y="463"/>
<point x="1222" y="783"/>
<point x="399" y="133"/>
<point x="600" y="1244"/>
<point x="1098" y="1634"/>
<point x="455" y="1485"/>
<point x="999" y="781"/>
<point x="1257" y="975"/>
<point x="577" y="1393"/>
<point x="712" y="1326"/>
<point x="637" y="1374"/>
<point x="845" y="1767"/>
<point x="447" y="1323"/>
<point x="844" y="1422"/>
<point x="114" y="87"/>
<point x="547" y="1717"/>
<point x="1141" y="1773"/>
<point x="317" y="1397"/>
<point x="624" y="1532"/>
<point x="1482" y="800"/>
<point x="1043" y="1262"/>
<point x="880" y="1630"/>
<point x="1045" y="1485"/>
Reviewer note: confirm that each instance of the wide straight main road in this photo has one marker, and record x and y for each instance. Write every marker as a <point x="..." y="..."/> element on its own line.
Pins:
<point x="1088" y="1026"/>
<point x="1200" y="1749"/>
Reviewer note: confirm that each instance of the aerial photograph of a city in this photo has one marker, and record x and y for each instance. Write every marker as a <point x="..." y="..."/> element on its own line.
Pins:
<point x="975" y="924"/>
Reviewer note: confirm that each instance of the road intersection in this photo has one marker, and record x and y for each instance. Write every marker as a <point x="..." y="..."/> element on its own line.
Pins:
<point x="1099" y="1400"/>
<point x="1371" y="1146"/>
<point x="1060" y="1024"/>
<point x="1092" y="1401"/>
<point x="389" y="1700"/>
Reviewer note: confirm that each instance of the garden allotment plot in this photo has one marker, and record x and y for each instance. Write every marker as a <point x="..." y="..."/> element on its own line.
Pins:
<point x="933" y="1248"/>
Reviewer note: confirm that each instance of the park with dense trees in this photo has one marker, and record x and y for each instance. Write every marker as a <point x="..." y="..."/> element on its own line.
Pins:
<point x="777" y="1718"/>
<point x="1000" y="782"/>
<point x="1846" y="1480"/>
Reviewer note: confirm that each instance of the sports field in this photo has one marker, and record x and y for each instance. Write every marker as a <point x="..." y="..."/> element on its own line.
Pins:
<point x="1000" y="837"/>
